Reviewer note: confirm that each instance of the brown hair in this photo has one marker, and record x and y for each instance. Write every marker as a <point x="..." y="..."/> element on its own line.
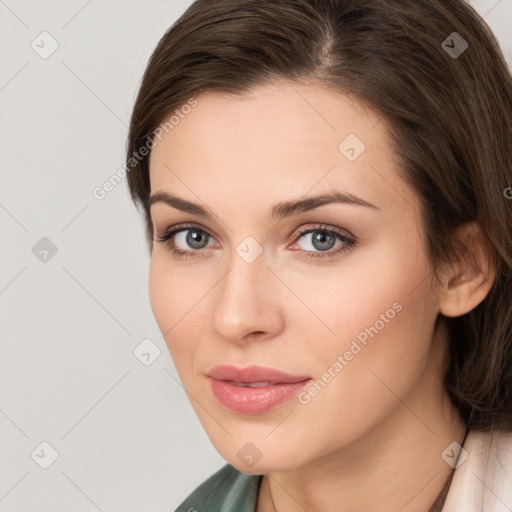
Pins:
<point x="450" y="119"/>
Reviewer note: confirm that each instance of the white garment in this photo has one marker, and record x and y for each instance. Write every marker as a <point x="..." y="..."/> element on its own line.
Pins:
<point x="483" y="482"/>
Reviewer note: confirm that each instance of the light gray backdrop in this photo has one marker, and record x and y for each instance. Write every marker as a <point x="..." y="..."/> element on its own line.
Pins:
<point x="90" y="419"/>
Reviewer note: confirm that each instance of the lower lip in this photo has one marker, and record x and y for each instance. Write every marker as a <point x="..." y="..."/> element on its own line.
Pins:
<point x="246" y="400"/>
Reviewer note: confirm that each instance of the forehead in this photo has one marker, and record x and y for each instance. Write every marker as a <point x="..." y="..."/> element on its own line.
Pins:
<point x="276" y="141"/>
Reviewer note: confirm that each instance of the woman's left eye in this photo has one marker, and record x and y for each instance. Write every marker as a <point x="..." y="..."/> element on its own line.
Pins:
<point x="322" y="239"/>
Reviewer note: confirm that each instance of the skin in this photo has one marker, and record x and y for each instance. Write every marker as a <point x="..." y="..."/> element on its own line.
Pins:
<point x="373" y="437"/>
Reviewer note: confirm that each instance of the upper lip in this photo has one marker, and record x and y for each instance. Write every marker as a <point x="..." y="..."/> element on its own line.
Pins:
<point x="253" y="374"/>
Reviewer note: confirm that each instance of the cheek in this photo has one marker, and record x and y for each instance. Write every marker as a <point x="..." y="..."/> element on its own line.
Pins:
<point x="173" y="291"/>
<point x="342" y="301"/>
<point x="386" y="275"/>
<point x="162" y="295"/>
<point x="365" y="373"/>
<point x="382" y="315"/>
<point x="171" y="301"/>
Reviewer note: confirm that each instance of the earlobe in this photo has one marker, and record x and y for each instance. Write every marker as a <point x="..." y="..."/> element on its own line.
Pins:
<point x="468" y="280"/>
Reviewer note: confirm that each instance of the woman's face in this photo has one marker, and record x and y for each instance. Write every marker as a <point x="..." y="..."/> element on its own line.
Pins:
<point x="337" y="293"/>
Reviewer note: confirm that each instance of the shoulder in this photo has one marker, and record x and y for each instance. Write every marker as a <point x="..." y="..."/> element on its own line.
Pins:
<point x="483" y="474"/>
<point x="227" y="490"/>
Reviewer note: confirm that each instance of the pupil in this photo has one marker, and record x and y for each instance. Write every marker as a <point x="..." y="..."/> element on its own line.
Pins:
<point x="193" y="238"/>
<point x="320" y="236"/>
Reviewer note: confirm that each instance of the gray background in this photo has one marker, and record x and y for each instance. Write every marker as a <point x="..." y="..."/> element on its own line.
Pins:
<point x="126" y="436"/>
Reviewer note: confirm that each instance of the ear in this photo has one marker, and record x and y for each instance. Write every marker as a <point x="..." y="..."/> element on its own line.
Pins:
<point x="466" y="282"/>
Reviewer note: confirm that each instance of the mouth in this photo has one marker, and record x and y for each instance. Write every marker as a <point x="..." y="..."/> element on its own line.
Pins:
<point x="253" y="375"/>
<point x="253" y="384"/>
<point x="255" y="389"/>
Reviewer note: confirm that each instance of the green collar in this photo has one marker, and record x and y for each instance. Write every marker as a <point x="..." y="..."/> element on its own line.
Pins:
<point x="227" y="490"/>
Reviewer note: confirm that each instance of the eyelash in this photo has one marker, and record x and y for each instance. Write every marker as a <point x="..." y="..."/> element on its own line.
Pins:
<point x="349" y="242"/>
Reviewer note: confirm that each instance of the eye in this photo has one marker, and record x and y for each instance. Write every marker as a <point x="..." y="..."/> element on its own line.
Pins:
<point x="185" y="235"/>
<point x="188" y="241"/>
<point x="322" y="239"/>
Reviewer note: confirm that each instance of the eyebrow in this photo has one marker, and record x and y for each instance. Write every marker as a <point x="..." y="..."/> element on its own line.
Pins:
<point x="277" y="211"/>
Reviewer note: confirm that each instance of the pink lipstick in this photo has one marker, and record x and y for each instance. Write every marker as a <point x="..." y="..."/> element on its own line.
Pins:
<point x="255" y="389"/>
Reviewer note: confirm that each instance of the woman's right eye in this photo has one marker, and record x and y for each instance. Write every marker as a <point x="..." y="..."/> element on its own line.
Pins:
<point x="180" y="238"/>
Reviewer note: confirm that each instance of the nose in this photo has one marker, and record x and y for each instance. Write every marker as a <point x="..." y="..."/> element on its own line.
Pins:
<point x="247" y="304"/>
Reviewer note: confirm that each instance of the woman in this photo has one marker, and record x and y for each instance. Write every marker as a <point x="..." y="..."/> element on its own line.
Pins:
<point x="326" y="191"/>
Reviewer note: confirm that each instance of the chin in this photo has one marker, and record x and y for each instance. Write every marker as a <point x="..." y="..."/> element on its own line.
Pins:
<point x="260" y="456"/>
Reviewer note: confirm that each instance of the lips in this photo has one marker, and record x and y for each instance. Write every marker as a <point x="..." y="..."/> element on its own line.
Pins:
<point x="257" y="375"/>
<point x="255" y="389"/>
